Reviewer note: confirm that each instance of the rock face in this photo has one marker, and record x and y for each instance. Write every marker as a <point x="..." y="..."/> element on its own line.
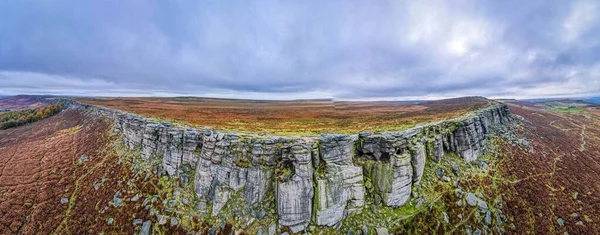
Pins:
<point x="339" y="183"/>
<point x="469" y="139"/>
<point x="229" y="163"/>
<point x="305" y="180"/>
<point x="293" y="208"/>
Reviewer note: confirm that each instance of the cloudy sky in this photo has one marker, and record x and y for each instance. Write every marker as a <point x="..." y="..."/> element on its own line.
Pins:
<point x="301" y="49"/>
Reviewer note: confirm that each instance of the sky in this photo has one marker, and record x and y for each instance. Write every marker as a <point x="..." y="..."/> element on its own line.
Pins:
<point x="364" y="50"/>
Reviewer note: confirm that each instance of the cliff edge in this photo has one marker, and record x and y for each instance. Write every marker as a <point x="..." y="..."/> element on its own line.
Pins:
<point x="299" y="181"/>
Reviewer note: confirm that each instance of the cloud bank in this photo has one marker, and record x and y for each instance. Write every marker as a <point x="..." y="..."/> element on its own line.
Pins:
<point x="301" y="49"/>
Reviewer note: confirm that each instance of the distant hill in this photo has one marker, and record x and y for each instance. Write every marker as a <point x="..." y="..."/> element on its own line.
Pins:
<point x="595" y="100"/>
<point x="20" y="102"/>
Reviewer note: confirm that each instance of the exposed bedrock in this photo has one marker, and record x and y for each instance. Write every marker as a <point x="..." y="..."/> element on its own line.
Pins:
<point x="339" y="183"/>
<point x="304" y="180"/>
<point x="295" y="192"/>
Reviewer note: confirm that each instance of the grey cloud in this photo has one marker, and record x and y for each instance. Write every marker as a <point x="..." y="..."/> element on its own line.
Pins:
<point x="279" y="49"/>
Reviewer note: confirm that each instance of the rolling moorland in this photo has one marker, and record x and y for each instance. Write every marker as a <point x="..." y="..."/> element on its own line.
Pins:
<point x="74" y="172"/>
<point x="304" y="117"/>
<point x="23" y="102"/>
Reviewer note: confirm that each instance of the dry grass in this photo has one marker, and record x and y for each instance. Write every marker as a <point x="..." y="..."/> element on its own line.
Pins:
<point x="293" y="117"/>
<point x="559" y="178"/>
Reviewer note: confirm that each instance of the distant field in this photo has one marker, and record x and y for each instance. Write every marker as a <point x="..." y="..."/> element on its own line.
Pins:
<point x="293" y="117"/>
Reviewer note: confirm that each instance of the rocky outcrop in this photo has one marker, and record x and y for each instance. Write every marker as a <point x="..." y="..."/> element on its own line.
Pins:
<point x="469" y="138"/>
<point x="293" y="208"/>
<point x="229" y="163"/>
<point x="305" y="180"/>
<point x="339" y="183"/>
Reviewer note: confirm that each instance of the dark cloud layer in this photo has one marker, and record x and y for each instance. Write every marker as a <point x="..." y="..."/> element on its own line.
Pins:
<point x="301" y="49"/>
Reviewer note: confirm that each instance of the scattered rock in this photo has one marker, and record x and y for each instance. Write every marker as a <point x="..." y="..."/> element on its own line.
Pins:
<point x="365" y="230"/>
<point x="136" y="197"/>
<point x="473" y="200"/>
<point x="137" y="221"/>
<point x="82" y="158"/>
<point x="185" y="179"/>
<point x="439" y="172"/>
<point x="174" y="221"/>
<point x="446" y="218"/>
<point x="574" y="215"/>
<point x="110" y="221"/>
<point x="260" y="214"/>
<point x="162" y="219"/>
<point x="488" y="218"/>
<point x="484" y="167"/>
<point x="116" y="200"/>
<point x="382" y="231"/>
<point x="272" y="229"/>
<point x="172" y="203"/>
<point x="477" y="232"/>
<point x="446" y="179"/>
<point x="498" y="202"/>
<point x="64" y="200"/>
<point x="579" y="223"/>
<point x="213" y="230"/>
<point x="468" y="229"/>
<point x="560" y="222"/>
<point x="420" y="202"/>
<point x="455" y="169"/>
<point x="146" y="228"/>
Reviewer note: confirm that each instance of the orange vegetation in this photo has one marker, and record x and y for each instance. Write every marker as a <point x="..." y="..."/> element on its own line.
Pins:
<point x="559" y="179"/>
<point x="293" y="117"/>
<point x="60" y="175"/>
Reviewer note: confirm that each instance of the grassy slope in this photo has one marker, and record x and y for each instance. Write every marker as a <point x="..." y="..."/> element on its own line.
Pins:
<point x="558" y="179"/>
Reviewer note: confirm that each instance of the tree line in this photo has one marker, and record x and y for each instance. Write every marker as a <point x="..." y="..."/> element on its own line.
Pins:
<point x="22" y="117"/>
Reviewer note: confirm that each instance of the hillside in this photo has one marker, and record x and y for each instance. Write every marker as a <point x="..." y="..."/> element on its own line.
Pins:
<point x="21" y="102"/>
<point x="525" y="167"/>
<point x="553" y="189"/>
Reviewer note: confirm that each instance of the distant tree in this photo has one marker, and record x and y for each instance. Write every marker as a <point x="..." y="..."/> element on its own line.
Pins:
<point x="18" y="118"/>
